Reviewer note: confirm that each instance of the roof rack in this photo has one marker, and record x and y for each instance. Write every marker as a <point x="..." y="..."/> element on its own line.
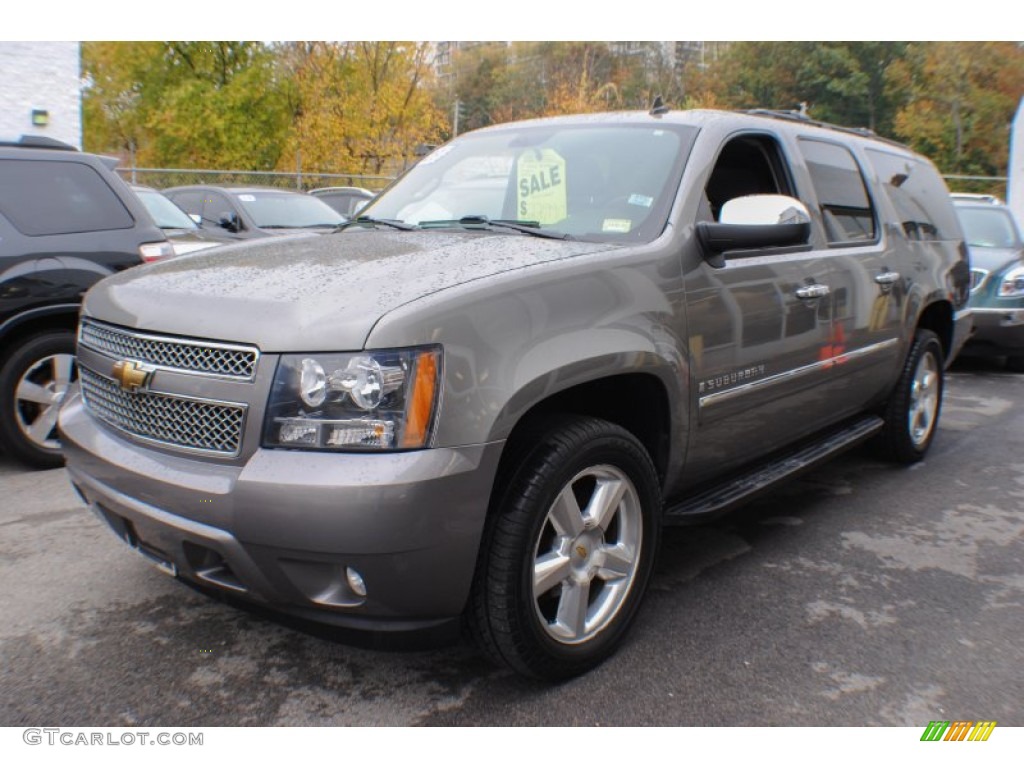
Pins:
<point x="800" y="116"/>
<point x="39" y="142"/>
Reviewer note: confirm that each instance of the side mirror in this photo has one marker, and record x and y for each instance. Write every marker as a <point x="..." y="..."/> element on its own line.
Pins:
<point x="196" y="218"/>
<point x="229" y="221"/>
<point x="754" y="222"/>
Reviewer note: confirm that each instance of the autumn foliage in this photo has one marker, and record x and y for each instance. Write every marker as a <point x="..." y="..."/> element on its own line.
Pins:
<point x="365" y="107"/>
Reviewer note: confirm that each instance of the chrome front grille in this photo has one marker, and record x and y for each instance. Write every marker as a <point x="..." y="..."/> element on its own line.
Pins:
<point x="206" y="358"/>
<point x="179" y="422"/>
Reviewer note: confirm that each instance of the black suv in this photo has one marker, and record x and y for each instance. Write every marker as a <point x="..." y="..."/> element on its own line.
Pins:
<point x="66" y="220"/>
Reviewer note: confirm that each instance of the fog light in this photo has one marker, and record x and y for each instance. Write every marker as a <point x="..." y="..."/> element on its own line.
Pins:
<point x="355" y="581"/>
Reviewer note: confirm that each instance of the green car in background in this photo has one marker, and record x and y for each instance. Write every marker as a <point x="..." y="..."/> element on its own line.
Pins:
<point x="997" y="280"/>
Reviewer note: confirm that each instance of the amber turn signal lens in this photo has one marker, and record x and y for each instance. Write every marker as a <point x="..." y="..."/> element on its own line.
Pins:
<point x="421" y="405"/>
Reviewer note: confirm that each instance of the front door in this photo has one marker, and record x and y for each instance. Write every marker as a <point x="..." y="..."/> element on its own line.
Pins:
<point x="759" y="328"/>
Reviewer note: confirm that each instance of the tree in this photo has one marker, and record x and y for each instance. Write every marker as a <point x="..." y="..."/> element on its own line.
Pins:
<point x="360" y="107"/>
<point x="839" y="82"/>
<point x="498" y="82"/>
<point x="222" y="106"/>
<point x="119" y="89"/>
<point x="962" y="98"/>
<point x="180" y="104"/>
<point x="581" y="77"/>
<point x="483" y="82"/>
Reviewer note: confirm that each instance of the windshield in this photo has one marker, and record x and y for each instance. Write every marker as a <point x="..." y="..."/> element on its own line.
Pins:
<point x="165" y="213"/>
<point x="591" y="182"/>
<point x="989" y="227"/>
<point x="288" y="210"/>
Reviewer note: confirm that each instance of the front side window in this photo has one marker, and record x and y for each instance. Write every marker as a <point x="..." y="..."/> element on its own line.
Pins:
<point x="842" y="194"/>
<point x="747" y="165"/>
<point x="591" y="182"/>
<point x="51" y="197"/>
<point x="216" y="206"/>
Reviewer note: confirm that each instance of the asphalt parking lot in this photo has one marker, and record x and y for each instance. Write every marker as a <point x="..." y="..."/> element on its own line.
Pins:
<point x="861" y="594"/>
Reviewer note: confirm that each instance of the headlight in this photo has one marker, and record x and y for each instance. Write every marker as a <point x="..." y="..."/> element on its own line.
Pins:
<point x="376" y="401"/>
<point x="1011" y="286"/>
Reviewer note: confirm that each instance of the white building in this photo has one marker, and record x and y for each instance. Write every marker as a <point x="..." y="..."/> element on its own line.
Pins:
<point x="41" y="90"/>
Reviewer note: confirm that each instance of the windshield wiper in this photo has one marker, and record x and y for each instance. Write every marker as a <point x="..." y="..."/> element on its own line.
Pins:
<point x="394" y="223"/>
<point x="483" y="222"/>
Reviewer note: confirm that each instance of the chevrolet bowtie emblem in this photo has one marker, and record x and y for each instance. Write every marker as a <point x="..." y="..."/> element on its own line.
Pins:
<point x="131" y="376"/>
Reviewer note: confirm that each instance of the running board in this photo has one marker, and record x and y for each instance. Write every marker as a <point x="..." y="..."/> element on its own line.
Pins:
<point x="728" y="495"/>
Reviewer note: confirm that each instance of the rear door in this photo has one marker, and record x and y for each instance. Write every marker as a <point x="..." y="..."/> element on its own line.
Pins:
<point x="866" y="276"/>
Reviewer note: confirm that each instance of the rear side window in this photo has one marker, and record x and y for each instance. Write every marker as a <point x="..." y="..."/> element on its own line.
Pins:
<point x="918" y="194"/>
<point x="45" y="197"/>
<point x="841" y="191"/>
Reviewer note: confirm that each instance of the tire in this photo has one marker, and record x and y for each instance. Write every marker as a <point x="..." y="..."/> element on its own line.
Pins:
<point x="912" y="413"/>
<point x="568" y="550"/>
<point x="33" y="382"/>
<point x="1015" y="363"/>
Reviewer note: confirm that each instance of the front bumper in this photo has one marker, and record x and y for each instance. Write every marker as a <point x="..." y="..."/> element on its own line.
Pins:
<point x="283" y="528"/>
<point x="996" y="332"/>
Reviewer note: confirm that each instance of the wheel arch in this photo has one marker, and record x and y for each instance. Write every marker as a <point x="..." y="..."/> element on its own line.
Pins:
<point x="937" y="317"/>
<point x="639" y="402"/>
<point x="60" y="317"/>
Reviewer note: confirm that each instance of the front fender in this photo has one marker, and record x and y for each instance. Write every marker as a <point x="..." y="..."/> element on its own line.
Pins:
<point x="513" y="341"/>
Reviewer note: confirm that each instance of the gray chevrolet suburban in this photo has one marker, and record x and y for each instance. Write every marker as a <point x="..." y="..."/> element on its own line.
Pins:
<point x="482" y="398"/>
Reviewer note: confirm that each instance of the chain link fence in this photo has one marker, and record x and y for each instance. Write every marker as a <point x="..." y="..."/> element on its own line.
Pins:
<point x="985" y="185"/>
<point x="162" y="178"/>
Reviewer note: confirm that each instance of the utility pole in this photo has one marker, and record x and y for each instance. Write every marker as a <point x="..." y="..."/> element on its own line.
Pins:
<point x="455" y="117"/>
<point x="1015" y="170"/>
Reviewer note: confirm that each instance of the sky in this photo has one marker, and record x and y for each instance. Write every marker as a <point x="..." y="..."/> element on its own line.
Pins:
<point x="508" y="20"/>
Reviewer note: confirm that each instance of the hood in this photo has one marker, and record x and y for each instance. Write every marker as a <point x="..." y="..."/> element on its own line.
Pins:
<point x="309" y="294"/>
<point x="994" y="260"/>
<point x="286" y="231"/>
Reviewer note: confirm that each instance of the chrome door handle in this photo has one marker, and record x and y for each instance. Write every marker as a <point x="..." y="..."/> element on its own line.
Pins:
<point x="816" y="291"/>
<point x="887" y="278"/>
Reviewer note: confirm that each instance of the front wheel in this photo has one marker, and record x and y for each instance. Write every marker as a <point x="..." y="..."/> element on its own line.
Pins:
<point x="569" y="550"/>
<point x="912" y="413"/>
<point x="33" y="382"/>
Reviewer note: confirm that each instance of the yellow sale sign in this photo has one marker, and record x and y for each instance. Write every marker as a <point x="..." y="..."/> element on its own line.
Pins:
<point x="540" y="195"/>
